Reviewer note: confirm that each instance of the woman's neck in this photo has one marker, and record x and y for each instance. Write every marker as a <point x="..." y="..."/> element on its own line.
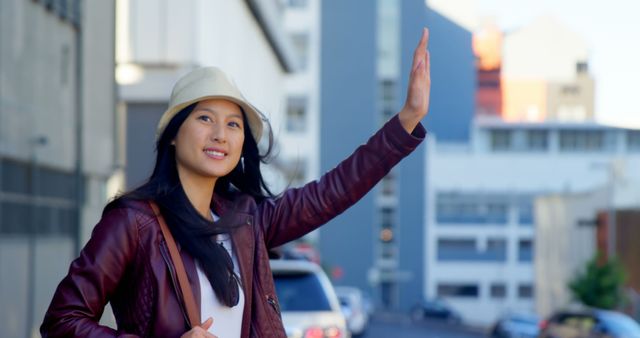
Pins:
<point x="199" y="191"/>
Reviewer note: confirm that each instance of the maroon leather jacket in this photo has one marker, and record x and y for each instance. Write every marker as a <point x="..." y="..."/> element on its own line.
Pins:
<point x="126" y="261"/>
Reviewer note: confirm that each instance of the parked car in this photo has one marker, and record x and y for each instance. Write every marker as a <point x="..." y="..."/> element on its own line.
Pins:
<point x="435" y="309"/>
<point x="589" y="323"/>
<point x="353" y="307"/>
<point x="516" y="326"/>
<point x="308" y="303"/>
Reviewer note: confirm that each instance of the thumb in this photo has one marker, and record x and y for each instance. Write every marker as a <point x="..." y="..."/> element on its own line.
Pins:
<point x="207" y="324"/>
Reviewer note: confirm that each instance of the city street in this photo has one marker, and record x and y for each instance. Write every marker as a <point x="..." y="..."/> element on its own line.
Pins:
<point x="384" y="326"/>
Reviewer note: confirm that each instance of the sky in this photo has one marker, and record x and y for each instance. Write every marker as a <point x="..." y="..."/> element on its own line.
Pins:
<point x="611" y="30"/>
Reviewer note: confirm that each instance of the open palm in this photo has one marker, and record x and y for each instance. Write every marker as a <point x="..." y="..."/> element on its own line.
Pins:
<point x="416" y="106"/>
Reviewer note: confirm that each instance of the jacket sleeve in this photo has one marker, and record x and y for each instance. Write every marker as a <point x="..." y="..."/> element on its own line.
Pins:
<point x="79" y="300"/>
<point x="299" y="211"/>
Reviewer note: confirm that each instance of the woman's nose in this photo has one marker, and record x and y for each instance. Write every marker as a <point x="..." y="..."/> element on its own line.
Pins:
<point x="218" y="133"/>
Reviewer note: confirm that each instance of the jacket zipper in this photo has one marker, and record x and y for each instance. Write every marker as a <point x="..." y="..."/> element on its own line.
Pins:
<point x="174" y="281"/>
<point x="274" y="304"/>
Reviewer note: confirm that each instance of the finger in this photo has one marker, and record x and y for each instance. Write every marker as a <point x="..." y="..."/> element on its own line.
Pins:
<point x="420" y="49"/>
<point x="207" y="324"/>
<point x="426" y="38"/>
<point x="427" y="64"/>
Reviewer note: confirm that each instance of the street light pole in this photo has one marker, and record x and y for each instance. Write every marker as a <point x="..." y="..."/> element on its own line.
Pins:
<point x="616" y="171"/>
<point x="32" y="182"/>
<point x="611" y="219"/>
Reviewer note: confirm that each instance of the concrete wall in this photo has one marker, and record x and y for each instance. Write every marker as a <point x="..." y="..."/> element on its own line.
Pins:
<point x="44" y="86"/>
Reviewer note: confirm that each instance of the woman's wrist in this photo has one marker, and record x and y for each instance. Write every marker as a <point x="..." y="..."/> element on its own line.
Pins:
<point x="409" y="120"/>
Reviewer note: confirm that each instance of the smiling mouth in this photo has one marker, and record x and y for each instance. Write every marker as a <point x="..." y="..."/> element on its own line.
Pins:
<point x="215" y="153"/>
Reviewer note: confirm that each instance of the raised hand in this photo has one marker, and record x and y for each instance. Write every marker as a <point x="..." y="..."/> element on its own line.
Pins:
<point x="416" y="106"/>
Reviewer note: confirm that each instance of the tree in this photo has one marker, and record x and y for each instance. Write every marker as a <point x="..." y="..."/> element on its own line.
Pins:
<point x="600" y="284"/>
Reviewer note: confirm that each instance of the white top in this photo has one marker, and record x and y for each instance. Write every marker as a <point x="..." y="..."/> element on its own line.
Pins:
<point x="227" y="322"/>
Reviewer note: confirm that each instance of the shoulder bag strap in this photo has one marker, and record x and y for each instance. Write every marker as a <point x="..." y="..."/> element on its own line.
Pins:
<point x="185" y="287"/>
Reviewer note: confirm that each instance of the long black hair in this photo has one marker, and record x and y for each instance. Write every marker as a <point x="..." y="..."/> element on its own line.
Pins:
<point x="191" y="230"/>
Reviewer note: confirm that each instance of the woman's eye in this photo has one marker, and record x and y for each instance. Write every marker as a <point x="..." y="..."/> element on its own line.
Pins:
<point x="234" y="124"/>
<point x="204" y="118"/>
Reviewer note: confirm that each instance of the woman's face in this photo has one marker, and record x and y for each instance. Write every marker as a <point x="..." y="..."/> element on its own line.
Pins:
<point x="209" y="142"/>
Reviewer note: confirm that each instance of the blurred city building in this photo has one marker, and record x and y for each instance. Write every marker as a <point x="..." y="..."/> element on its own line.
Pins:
<point x="300" y="133"/>
<point x="572" y="227"/>
<point x="481" y="226"/>
<point x="157" y="42"/>
<point x="487" y="46"/>
<point x="59" y="148"/>
<point x="545" y="74"/>
<point x="377" y="244"/>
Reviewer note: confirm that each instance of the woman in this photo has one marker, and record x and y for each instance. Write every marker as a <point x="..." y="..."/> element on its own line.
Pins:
<point x="208" y="187"/>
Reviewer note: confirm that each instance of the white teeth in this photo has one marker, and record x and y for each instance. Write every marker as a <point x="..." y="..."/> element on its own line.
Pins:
<point x="214" y="153"/>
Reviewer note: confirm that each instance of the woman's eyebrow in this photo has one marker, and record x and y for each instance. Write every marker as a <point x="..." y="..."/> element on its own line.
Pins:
<point x="213" y="111"/>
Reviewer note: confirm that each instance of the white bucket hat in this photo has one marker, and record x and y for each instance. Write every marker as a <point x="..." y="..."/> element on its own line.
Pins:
<point x="208" y="83"/>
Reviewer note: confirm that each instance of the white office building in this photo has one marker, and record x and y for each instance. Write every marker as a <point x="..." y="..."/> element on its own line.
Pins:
<point x="480" y="224"/>
<point x="298" y="130"/>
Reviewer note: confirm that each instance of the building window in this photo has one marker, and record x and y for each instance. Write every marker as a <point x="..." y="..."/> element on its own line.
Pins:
<point x="582" y="140"/>
<point x="387" y="114"/>
<point x="297" y="114"/>
<point x="465" y="249"/>
<point x="388" y="250"/>
<point x="388" y="96"/>
<point x="458" y="290"/>
<point x="301" y="46"/>
<point x="633" y="140"/>
<point x="496" y="250"/>
<point x="525" y="291"/>
<point x="67" y="10"/>
<point x="53" y="213"/>
<point x="570" y="90"/>
<point x="454" y="208"/>
<point x="501" y="140"/>
<point x="496" y="212"/>
<point x="386" y="215"/>
<point x="298" y="4"/>
<point x="525" y="250"/>
<point x="582" y="67"/>
<point x="498" y="290"/>
<point x="525" y="211"/>
<point x="75" y="13"/>
<point x="62" y="9"/>
<point x="537" y="140"/>
<point x="388" y="90"/>
<point x="389" y="185"/>
<point x="457" y="250"/>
